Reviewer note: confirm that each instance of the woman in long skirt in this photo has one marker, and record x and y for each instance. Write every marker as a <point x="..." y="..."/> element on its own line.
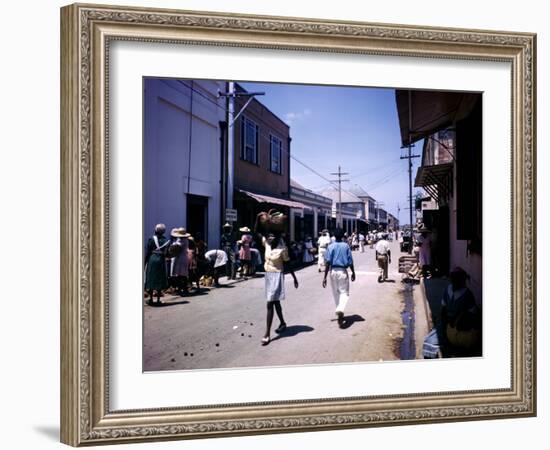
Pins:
<point x="245" y="256"/>
<point x="307" y="257"/>
<point x="179" y="264"/>
<point x="276" y="256"/>
<point x="155" y="265"/>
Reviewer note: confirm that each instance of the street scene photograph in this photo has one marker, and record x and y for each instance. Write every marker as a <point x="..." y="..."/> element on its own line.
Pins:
<point x="295" y="224"/>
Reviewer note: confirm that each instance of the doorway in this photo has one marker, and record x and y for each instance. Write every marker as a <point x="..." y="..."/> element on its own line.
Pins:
<point x="197" y="215"/>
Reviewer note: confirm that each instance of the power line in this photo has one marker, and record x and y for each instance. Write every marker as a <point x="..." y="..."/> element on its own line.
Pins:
<point x="268" y="139"/>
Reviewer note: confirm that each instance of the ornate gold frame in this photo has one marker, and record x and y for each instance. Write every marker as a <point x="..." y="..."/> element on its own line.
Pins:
<point x="86" y="31"/>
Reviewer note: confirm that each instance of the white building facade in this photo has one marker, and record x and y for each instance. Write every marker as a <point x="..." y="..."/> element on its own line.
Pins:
<point x="182" y="157"/>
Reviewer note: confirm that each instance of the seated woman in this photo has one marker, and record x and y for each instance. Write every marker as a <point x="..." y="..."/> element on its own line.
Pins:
<point x="460" y="327"/>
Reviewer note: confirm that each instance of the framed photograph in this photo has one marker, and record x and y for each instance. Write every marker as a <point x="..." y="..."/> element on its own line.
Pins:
<point x="285" y="224"/>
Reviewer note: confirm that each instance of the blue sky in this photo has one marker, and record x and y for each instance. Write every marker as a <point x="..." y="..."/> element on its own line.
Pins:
<point x="356" y="128"/>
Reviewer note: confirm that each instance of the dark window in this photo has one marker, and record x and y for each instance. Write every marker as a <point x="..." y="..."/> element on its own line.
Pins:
<point x="275" y="155"/>
<point x="468" y="178"/>
<point x="249" y="140"/>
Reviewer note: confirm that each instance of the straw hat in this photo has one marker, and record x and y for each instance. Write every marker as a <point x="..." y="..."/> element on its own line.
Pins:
<point x="244" y="230"/>
<point x="179" y="233"/>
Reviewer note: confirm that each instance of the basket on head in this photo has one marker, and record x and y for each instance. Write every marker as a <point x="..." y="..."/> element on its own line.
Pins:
<point x="272" y="221"/>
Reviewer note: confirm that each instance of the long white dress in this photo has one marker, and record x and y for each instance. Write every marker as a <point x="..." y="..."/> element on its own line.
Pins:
<point x="307" y="257"/>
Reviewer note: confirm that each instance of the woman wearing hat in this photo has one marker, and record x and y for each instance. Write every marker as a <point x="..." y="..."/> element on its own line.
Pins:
<point x="155" y="265"/>
<point x="179" y="263"/>
<point x="460" y="325"/>
<point x="245" y="256"/>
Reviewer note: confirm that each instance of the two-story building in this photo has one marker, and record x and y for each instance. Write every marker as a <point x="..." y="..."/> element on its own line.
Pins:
<point x="314" y="217"/>
<point x="393" y="222"/>
<point x="261" y="162"/>
<point x="371" y="216"/>
<point x="382" y="217"/>
<point x="351" y="207"/>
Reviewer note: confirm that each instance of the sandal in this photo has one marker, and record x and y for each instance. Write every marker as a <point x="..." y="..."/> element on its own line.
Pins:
<point x="266" y="340"/>
<point x="281" y="328"/>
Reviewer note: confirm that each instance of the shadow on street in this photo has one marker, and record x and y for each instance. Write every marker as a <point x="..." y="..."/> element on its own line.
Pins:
<point x="165" y="303"/>
<point x="293" y="330"/>
<point x="350" y="320"/>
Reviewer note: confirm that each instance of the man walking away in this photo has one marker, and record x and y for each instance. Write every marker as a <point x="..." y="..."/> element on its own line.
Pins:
<point x="362" y="242"/>
<point x="337" y="260"/>
<point x="323" y="243"/>
<point x="383" y="256"/>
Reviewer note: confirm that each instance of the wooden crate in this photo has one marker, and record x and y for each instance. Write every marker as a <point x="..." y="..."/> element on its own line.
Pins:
<point x="406" y="263"/>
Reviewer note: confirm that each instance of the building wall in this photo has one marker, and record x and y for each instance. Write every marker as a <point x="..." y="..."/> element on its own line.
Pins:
<point x="173" y="165"/>
<point x="259" y="178"/>
<point x="470" y="262"/>
<point x="459" y="254"/>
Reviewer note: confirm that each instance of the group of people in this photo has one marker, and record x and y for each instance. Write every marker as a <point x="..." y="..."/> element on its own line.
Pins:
<point x="178" y="261"/>
<point x="380" y="242"/>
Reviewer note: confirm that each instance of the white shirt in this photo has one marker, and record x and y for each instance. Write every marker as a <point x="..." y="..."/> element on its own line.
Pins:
<point x="324" y="241"/>
<point x="382" y="247"/>
<point x="218" y="256"/>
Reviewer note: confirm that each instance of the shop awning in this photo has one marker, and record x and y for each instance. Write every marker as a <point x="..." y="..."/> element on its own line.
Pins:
<point x="260" y="198"/>
<point x="437" y="180"/>
<point x="422" y="113"/>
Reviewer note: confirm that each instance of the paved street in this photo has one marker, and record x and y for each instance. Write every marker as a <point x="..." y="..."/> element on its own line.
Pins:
<point x="222" y="327"/>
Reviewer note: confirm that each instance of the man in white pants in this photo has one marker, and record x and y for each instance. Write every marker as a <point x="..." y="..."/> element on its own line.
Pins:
<point x="337" y="260"/>
<point x="323" y="242"/>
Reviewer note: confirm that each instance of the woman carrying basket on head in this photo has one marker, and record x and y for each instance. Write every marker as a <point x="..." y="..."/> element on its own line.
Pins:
<point x="276" y="257"/>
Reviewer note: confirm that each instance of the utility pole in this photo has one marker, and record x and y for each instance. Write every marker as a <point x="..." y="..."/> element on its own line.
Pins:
<point x="339" y="213"/>
<point x="231" y="94"/>
<point x="410" y="156"/>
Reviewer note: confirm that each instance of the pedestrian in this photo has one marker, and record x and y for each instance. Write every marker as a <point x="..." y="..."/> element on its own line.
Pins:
<point x="276" y="258"/>
<point x="308" y="251"/>
<point x="228" y="246"/>
<point x="156" y="279"/>
<point x="460" y="325"/>
<point x="383" y="257"/>
<point x="245" y="256"/>
<point x="193" y="261"/>
<point x="371" y="239"/>
<point x="361" y="238"/>
<point x="179" y="260"/>
<point x="424" y="243"/>
<point x="355" y="241"/>
<point x="338" y="259"/>
<point x="215" y="262"/>
<point x="323" y="242"/>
